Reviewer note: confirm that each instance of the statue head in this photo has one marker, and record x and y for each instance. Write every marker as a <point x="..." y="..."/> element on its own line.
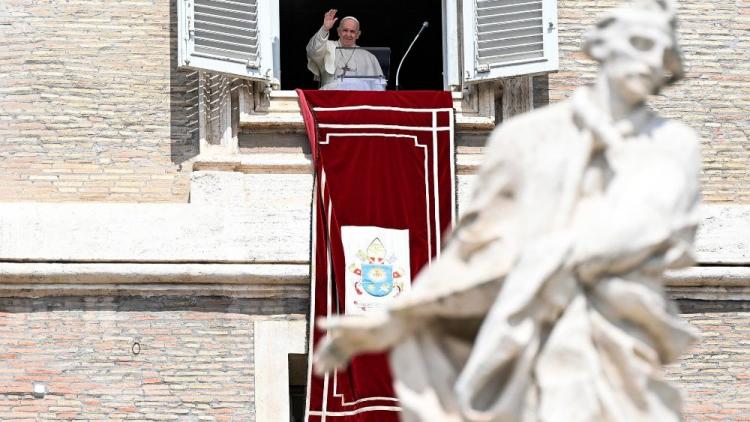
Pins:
<point x="349" y="31"/>
<point x="637" y="48"/>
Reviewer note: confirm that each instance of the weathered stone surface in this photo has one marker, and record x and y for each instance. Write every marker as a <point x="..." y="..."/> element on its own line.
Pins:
<point x="154" y="233"/>
<point x="218" y="187"/>
<point x="724" y="235"/>
<point x="274" y="341"/>
<point x="274" y="228"/>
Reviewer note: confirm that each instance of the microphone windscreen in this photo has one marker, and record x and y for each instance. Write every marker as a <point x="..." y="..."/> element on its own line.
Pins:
<point x="426" y="24"/>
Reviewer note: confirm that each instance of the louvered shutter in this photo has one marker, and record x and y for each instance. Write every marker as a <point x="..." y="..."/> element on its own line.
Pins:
<point x="235" y="37"/>
<point x="504" y="38"/>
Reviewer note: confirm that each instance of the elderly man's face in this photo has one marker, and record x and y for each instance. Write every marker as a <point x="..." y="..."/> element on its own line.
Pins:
<point x="348" y="33"/>
<point x="635" y="64"/>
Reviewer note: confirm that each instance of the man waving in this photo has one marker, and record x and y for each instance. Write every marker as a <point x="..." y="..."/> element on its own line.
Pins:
<point x="334" y="62"/>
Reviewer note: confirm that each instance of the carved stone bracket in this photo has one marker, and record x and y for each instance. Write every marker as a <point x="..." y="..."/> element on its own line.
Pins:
<point x="218" y="104"/>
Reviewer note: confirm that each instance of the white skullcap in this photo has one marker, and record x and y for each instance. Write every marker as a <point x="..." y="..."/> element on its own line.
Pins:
<point x="352" y="18"/>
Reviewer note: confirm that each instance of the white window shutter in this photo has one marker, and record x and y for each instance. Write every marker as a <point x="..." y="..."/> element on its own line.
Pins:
<point x="451" y="52"/>
<point x="504" y="38"/>
<point x="235" y="37"/>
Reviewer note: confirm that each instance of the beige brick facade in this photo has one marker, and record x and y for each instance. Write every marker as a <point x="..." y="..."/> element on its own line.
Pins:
<point x="193" y="361"/>
<point x="714" y="376"/>
<point x="92" y="107"/>
<point x="714" y="98"/>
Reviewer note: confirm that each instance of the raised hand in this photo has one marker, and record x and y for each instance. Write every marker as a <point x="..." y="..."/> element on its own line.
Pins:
<point x="329" y="19"/>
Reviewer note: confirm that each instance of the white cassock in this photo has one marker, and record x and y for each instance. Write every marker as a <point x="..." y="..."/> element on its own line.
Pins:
<point x="328" y="64"/>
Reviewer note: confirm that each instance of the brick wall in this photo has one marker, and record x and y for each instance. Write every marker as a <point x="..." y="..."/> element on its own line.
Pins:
<point x="195" y="361"/>
<point x="93" y="108"/>
<point x="715" y="97"/>
<point x="91" y="104"/>
<point x="715" y="375"/>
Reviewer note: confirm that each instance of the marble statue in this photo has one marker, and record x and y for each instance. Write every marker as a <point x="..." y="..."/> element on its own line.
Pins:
<point x="547" y="303"/>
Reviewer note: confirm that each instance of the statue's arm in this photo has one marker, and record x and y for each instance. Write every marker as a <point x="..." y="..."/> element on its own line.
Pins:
<point x="349" y="336"/>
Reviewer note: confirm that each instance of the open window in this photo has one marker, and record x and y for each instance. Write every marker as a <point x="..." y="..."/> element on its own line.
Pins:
<point x="505" y="38"/>
<point x="468" y="42"/>
<point x="384" y="23"/>
<point x="499" y="38"/>
<point x="235" y="37"/>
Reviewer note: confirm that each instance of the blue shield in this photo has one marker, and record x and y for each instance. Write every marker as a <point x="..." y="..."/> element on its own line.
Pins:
<point x="377" y="279"/>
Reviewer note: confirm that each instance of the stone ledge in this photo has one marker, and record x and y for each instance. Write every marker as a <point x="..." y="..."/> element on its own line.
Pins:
<point x="283" y="113"/>
<point x="291" y="122"/>
<point x="280" y="281"/>
<point x="253" y="291"/>
<point x="709" y="277"/>
<point x="137" y="273"/>
<point x="733" y="294"/>
<point x="709" y="283"/>
<point x="293" y="163"/>
<point x="269" y="280"/>
<point x="270" y="273"/>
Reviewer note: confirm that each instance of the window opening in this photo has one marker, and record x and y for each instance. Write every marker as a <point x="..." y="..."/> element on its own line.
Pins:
<point x="297" y="386"/>
<point x="385" y="23"/>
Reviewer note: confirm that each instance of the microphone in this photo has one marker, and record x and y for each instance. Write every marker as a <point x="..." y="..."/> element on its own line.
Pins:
<point x="425" y="24"/>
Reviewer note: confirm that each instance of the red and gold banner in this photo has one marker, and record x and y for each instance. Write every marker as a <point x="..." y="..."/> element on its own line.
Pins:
<point x="384" y="196"/>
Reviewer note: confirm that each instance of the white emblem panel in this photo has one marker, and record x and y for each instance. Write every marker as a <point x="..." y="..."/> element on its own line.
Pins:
<point x="377" y="267"/>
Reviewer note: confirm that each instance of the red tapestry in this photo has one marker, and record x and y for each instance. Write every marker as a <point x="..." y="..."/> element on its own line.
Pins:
<point x="384" y="195"/>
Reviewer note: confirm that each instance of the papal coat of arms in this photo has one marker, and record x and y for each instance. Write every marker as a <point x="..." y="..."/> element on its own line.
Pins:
<point x="376" y="275"/>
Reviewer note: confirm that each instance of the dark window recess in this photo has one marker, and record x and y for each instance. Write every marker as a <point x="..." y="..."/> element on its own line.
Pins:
<point x="297" y="387"/>
<point x="385" y="23"/>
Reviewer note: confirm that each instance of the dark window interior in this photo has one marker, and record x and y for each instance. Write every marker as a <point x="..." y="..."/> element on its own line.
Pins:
<point x="385" y="23"/>
<point x="297" y="386"/>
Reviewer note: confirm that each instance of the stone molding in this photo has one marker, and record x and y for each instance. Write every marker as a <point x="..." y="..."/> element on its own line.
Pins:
<point x="274" y="341"/>
<point x="259" y="249"/>
<point x="245" y="291"/>
<point x="135" y="273"/>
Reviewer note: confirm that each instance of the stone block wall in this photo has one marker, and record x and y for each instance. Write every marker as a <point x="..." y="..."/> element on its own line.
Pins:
<point x="195" y="361"/>
<point x="714" y="98"/>
<point x="92" y="106"/>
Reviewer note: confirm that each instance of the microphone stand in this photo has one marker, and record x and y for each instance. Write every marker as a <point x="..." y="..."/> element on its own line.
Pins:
<point x="424" y="25"/>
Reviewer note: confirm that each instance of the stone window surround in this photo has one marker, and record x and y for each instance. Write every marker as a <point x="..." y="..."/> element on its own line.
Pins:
<point x="251" y="106"/>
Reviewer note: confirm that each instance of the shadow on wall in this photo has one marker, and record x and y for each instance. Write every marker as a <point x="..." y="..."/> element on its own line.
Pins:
<point x="183" y="101"/>
<point x="158" y="304"/>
